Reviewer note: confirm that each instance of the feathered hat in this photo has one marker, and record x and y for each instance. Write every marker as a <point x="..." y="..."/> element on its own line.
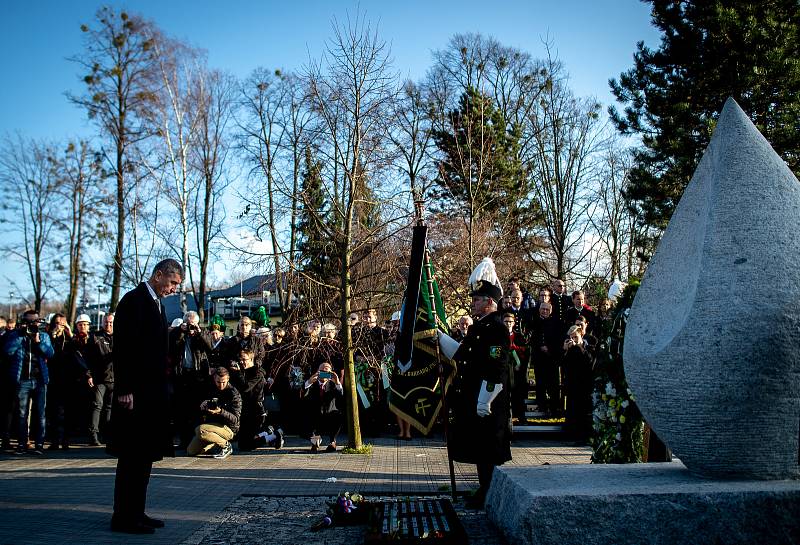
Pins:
<point x="483" y="281"/>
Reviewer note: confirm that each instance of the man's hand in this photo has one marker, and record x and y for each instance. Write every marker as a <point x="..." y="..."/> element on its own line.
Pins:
<point x="36" y="338"/>
<point x="270" y="381"/>
<point x="214" y="411"/>
<point x="126" y="401"/>
<point x="90" y="382"/>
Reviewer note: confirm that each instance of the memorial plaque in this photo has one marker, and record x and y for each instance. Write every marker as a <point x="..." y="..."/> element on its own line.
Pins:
<point x="416" y="520"/>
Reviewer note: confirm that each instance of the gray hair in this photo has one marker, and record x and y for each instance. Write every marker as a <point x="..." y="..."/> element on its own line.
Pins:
<point x="191" y="315"/>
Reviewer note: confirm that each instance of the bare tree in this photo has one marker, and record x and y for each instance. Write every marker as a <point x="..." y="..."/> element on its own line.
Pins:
<point x="351" y="91"/>
<point x="29" y="204"/>
<point x="117" y="65"/>
<point x="567" y="134"/>
<point x="81" y="175"/>
<point x="215" y="92"/>
<point x="175" y="117"/>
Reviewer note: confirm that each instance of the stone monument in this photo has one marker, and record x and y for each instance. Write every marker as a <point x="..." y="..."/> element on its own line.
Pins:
<point x="712" y="351"/>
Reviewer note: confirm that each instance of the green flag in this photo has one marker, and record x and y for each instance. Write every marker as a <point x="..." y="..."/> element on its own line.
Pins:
<point x="415" y="392"/>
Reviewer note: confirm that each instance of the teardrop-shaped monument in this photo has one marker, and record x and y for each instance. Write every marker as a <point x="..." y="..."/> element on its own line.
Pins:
<point x="712" y="347"/>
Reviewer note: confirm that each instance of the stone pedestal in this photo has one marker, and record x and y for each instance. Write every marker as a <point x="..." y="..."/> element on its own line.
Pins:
<point x="639" y="504"/>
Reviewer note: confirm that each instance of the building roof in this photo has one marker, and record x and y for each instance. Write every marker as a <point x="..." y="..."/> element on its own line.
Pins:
<point x="253" y="286"/>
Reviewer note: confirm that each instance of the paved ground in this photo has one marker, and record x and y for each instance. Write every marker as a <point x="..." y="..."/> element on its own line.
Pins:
<point x="66" y="497"/>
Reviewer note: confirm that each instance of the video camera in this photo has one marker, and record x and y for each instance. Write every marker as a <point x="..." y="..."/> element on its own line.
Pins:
<point x="32" y="327"/>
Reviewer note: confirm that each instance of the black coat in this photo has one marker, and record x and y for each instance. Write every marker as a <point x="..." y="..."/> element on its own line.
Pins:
<point x="140" y="368"/>
<point x="483" y="355"/>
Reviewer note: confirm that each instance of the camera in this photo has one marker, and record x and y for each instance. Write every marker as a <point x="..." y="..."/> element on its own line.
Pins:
<point x="194" y="328"/>
<point x="32" y="328"/>
<point x="213" y="404"/>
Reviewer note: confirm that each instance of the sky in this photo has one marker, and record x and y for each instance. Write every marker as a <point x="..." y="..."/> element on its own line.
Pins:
<point x="595" y="39"/>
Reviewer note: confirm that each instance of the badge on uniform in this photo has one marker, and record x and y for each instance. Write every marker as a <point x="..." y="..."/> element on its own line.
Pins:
<point x="495" y="351"/>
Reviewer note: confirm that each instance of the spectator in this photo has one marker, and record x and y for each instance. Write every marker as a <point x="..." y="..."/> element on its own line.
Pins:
<point x="248" y="379"/>
<point x="323" y="397"/>
<point x="218" y="354"/>
<point x="27" y="350"/>
<point x="189" y="348"/>
<point x="545" y="356"/>
<point x="560" y="300"/>
<point x="245" y="339"/>
<point x="462" y="327"/>
<point x="221" y="412"/>
<point x="73" y="375"/>
<point x="577" y="364"/>
<point x="60" y="369"/>
<point x="519" y="366"/>
<point x="101" y="368"/>
<point x="580" y="308"/>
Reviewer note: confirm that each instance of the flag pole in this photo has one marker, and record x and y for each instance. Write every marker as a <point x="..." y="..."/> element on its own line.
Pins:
<point x="418" y="206"/>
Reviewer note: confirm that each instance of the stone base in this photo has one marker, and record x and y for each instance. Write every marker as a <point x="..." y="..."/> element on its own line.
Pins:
<point x="639" y="504"/>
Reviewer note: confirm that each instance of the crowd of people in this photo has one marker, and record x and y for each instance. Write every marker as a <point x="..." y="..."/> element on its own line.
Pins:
<point x="263" y="382"/>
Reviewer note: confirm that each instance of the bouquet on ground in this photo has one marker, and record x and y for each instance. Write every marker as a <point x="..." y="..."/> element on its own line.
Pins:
<point x="345" y="510"/>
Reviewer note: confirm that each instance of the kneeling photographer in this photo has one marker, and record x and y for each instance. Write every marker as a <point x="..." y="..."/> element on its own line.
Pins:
<point x="220" y="414"/>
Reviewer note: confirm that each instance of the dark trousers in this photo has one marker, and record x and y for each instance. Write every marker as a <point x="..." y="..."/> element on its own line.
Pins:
<point x="101" y="404"/>
<point x="7" y="399"/>
<point x="189" y="390"/>
<point x="519" y="393"/>
<point x="328" y="424"/>
<point x="548" y="392"/>
<point x="485" y="472"/>
<point x="130" y="488"/>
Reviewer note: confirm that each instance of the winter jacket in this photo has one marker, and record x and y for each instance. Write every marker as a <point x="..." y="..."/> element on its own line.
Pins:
<point x="19" y="350"/>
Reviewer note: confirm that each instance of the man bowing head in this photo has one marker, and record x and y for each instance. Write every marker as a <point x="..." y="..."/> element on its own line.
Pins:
<point x="140" y="414"/>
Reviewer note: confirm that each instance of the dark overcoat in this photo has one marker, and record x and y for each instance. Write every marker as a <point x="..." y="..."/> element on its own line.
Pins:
<point x="482" y="355"/>
<point x="140" y="368"/>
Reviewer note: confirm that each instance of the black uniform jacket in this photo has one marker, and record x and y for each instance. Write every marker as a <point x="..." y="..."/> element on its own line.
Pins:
<point x="483" y="355"/>
<point x="140" y="368"/>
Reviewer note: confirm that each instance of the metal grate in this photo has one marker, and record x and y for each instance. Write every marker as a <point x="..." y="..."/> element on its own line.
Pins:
<point x="416" y="520"/>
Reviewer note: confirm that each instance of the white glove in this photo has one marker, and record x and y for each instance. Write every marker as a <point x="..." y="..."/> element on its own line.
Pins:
<point x="448" y="344"/>
<point x="485" y="398"/>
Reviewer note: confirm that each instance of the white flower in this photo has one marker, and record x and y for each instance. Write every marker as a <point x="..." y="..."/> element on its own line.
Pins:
<point x="610" y="390"/>
<point x="618" y="437"/>
<point x="625" y="404"/>
<point x="595" y="397"/>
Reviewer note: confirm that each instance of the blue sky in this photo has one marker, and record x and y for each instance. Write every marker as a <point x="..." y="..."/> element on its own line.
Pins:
<point x="594" y="39"/>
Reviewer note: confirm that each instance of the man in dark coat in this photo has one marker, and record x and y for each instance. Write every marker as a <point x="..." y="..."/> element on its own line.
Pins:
<point x="481" y="402"/>
<point x="140" y="423"/>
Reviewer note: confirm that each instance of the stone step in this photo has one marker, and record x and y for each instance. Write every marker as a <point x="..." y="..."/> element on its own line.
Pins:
<point x="537" y="428"/>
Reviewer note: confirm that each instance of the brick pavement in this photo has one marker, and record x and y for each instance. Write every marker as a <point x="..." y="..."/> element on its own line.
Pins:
<point x="66" y="497"/>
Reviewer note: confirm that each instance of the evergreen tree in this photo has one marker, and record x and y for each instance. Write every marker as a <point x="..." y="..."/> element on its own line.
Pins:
<point x="314" y="245"/>
<point x="480" y="168"/>
<point x="709" y="51"/>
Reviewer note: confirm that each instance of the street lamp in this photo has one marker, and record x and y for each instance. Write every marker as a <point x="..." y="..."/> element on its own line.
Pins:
<point x="10" y="305"/>
<point x="99" y="289"/>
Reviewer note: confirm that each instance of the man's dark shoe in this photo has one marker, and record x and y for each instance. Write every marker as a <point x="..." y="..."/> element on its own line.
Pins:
<point x="130" y="527"/>
<point x="331" y="447"/>
<point x="151" y="522"/>
<point x="278" y="439"/>
<point x="94" y="441"/>
<point x="38" y="449"/>
<point x="22" y="450"/>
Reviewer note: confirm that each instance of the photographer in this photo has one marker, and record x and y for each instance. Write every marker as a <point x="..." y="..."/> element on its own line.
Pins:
<point x="27" y="350"/>
<point x="221" y="411"/>
<point x="189" y="348"/>
<point x="322" y="397"/>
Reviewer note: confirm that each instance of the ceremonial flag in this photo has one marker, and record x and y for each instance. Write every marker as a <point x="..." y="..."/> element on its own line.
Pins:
<point x="415" y="392"/>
